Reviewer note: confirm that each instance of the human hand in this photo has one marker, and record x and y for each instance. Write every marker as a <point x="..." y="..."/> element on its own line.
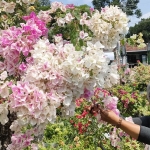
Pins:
<point x="109" y="116"/>
<point x="106" y="115"/>
<point x="95" y="109"/>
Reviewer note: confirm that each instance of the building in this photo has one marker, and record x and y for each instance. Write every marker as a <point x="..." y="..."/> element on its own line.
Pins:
<point x="135" y="54"/>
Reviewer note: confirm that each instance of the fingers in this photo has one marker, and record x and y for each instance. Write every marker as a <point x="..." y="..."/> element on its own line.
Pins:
<point x="95" y="108"/>
<point x="104" y="111"/>
<point x="92" y="110"/>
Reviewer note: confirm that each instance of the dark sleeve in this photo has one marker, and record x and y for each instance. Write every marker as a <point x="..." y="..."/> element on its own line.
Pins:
<point x="144" y="135"/>
<point x="144" y="122"/>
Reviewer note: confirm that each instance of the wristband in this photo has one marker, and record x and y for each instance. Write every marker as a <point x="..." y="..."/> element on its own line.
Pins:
<point x="119" y="123"/>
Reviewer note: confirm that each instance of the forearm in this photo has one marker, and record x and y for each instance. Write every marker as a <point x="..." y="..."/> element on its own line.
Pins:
<point x="140" y="133"/>
<point x="139" y="129"/>
<point x="131" y="129"/>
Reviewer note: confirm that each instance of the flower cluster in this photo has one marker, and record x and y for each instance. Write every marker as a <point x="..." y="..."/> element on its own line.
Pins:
<point x="57" y="5"/>
<point x="108" y="24"/>
<point x="11" y="11"/>
<point x="70" y="21"/>
<point x="108" y="101"/>
<point x="68" y="18"/>
<point x="16" y="43"/>
<point x="9" y="7"/>
<point x="20" y="141"/>
<point x="65" y="73"/>
<point x="30" y="104"/>
<point x="44" y="16"/>
<point x="82" y="120"/>
<point x="105" y="26"/>
<point x="137" y="40"/>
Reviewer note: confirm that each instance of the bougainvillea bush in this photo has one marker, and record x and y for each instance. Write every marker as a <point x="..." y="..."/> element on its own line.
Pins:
<point x="50" y="59"/>
<point x="39" y="74"/>
<point x="138" y="77"/>
<point x="131" y="101"/>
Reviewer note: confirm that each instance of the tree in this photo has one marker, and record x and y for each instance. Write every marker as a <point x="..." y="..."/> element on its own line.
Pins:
<point x="98" y="4"/>
<point x="144" y="27"/>
<point x="128" y="6"/>
<point x="42" y="5"/>
<point x="44" y="2"/>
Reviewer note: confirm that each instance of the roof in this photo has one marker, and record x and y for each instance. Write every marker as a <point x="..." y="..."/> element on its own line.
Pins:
<point x="130" y="48"/>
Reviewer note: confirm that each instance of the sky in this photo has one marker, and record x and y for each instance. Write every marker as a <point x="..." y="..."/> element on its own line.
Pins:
<point x="144" y="5"/>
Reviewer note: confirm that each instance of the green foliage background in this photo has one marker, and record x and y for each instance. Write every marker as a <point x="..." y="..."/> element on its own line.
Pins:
<point x="144" y="27"/>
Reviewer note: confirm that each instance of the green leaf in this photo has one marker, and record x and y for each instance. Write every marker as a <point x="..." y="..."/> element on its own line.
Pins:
<point x="91" y="73"/>
<point x="77" y="15"/>
<point x="81" y="42"/>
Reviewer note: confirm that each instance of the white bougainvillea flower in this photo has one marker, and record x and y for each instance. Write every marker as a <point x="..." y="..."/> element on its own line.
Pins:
<point x="83" y="34"/>
<point x="4" y="90"/>
<point x="44" y="15"/>
<point x="4" y="113"/>
<point x="9" y="7"/>
<point x="3" y="75"/>
<point x="108" y="24"/>
<point x="68" y="18"/>
<point x="28" y="1"/>
<point x="61" y="21"/>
